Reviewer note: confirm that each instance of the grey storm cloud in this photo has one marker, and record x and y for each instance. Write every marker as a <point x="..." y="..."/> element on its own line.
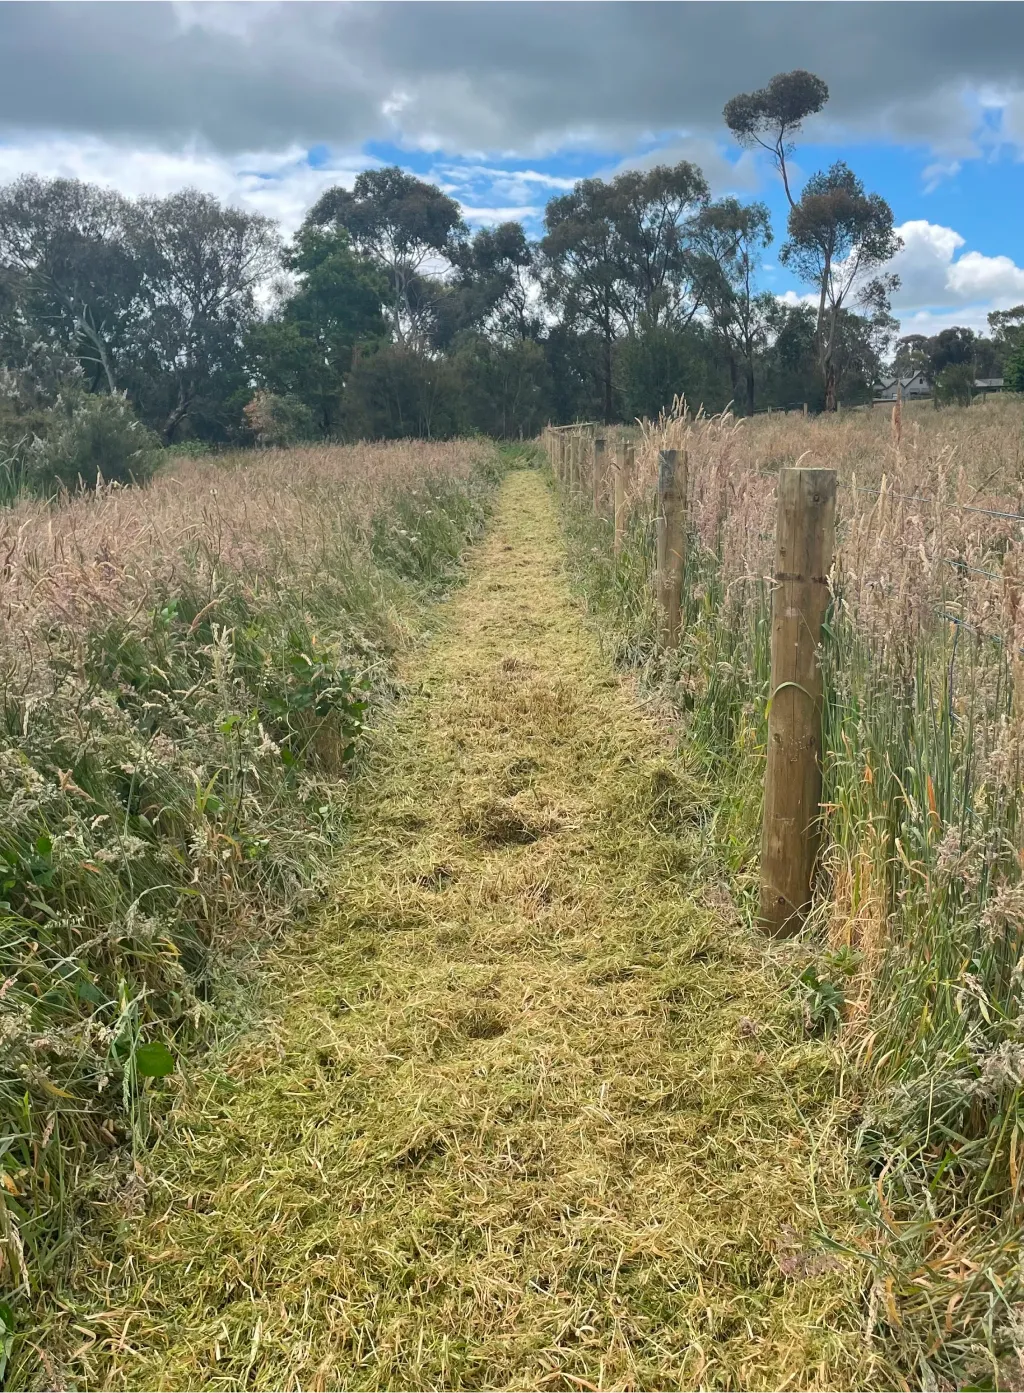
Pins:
<point x="511" y="77"/>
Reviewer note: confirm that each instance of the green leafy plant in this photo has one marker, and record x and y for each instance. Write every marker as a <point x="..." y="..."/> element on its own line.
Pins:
<point x="6" y="1336"/>
<point x="154" y="1061"/>
<point x="821" y="1002"/>
<point x="89" y="438"/>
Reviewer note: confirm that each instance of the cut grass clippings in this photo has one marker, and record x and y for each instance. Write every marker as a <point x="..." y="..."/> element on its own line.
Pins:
<point x="532" y="1107"/>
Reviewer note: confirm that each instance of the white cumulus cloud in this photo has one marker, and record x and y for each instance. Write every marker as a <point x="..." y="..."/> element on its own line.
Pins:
<point x="940" y="283"/>
<point x="281" y="183"/>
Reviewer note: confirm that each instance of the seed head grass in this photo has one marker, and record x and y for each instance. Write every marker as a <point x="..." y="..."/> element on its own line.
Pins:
<point x="185" y="673"/>
<point x="916" y="936"/>
<point x="530" y="1105"/>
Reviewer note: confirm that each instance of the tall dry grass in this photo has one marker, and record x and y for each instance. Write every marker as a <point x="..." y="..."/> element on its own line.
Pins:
<point x="916" y="941"/>
<point x="106" y="553"/>
<point x="184" y="673"/>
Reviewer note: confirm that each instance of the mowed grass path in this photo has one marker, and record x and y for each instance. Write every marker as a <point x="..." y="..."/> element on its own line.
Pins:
<point x="532" y="1111"/>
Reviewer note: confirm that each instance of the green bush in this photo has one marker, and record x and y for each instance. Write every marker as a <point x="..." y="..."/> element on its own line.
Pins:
<point x="954" y="385"/>
<point x="275" y="420"/>
<point x="88" y="438"/>
<point x="20" y="424"/>
<point x="1015" y="371"/>
<point x="188" y="449"/>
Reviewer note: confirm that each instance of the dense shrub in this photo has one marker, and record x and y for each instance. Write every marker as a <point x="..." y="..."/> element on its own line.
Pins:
<point x="954" y="386"/>
<point x="88" y="438"/>
<point x="275" y="420"/>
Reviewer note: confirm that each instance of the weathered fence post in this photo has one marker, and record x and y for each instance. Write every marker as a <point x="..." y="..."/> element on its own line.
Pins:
<point x="666" y="463"/>
<point x="671" y="542"/>
<point x="623" y="473"/>
<point x="805" y="408"/>
<point x="600" y="468"/>
<point x="804" y="543"/>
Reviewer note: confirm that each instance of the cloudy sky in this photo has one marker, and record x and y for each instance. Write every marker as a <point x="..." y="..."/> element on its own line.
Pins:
<point x="506" y="104"/>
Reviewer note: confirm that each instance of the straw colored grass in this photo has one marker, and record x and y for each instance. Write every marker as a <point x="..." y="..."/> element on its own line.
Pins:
<point x="917" y="927"/>
<point x="530" y="1107"/>
<point x="184" y="672"/>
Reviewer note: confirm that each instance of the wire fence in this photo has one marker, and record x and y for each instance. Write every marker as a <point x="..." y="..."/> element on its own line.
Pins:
<point x="694" y="503"/>
<point x="956" y="563"/>
<point x="940" y="503"/>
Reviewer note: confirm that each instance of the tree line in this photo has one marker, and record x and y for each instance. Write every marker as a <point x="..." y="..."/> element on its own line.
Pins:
<point x="384" y="316"/>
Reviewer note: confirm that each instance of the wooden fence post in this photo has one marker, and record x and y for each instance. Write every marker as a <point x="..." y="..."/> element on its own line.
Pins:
<point x="623" y="469"/>
<point x="671" y="542"/>
<point x="666" y="466"/>
<point x="600" y="468"/>
<point x="804" y="545"/>
<point x="805" y="408"/>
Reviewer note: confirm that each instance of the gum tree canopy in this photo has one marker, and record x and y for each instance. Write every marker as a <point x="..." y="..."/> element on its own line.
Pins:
<point x="838" y="236"/>
<point x="401" y="223"/>
<point x="771" y="116"/>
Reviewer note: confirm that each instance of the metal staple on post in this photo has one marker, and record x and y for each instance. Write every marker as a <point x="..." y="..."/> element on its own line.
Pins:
<point x="804" y="545"/>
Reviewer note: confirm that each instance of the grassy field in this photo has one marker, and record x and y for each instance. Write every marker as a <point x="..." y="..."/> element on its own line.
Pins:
<point x="185" y="671"/>
<point x="473" y="1070"/>
<point x="915" y="942"/>
<point x="531" y="1106"/>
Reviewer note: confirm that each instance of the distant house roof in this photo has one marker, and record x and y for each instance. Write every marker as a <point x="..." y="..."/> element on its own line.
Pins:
<point x="993" y="382"/>
<point x="914" y="381"/>
<point x="909" y="377"/>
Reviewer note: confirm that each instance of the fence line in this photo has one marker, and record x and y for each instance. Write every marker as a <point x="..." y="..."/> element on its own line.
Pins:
<point x="937" y="502"/>
<point x="591" y="466"/>
<point x="959" y="565"/>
